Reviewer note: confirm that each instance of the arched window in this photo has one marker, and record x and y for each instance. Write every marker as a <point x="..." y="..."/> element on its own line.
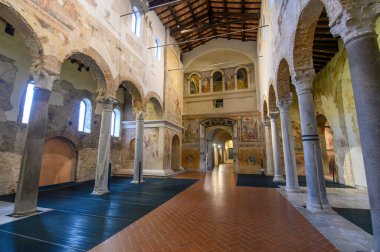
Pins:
<point x="194" y="84"/>
<point x="157" y="50"/>
<point x="136" y="20"/>
<point x="85" y="113"/>
<point x="28" y="102"/>
<point x="217" y="81"/>
<point x="242" y="78"/>
<point x="115" y="123"/>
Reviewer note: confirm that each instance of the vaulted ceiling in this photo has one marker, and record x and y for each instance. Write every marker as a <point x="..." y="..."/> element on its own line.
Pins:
<point x="195" y="22"/>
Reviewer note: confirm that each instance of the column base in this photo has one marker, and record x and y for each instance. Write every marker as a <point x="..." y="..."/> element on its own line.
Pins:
<point x="24" y="214"/>
<point x="99" y="192"/>
<point x="135" y="181"/>
<point x="293" y="190"/>
<point x="278" y="178"/>
<point x="317" y="208"/>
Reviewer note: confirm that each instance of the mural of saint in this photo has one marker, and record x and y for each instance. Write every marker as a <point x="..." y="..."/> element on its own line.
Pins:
<point x="230" y="83"/>
<point x="249" y="129"/>
<point x="217" y="81"/>
<point x="206" y="86"/>
<point x="194" y="84"/>
<point x="242" y="78"/>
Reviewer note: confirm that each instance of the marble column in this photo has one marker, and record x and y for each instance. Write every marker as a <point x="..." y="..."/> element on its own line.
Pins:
<point x="104" y="147"/>
<point x="276" y="148"/>
<point x="357" y="29"/>
<point x="288" y="146"/>
<point x="316" y="188"/>
<point x="268" y="147"/>
<point x="28" y="182"/>
<point x="139" y="148"/>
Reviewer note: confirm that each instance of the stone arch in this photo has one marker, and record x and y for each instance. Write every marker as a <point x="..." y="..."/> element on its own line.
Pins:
<point x="136" y="91"/>
<point x="155" y="99"/>
<point x="307" y="23"/>
<point x="272" y="99"/>
<point x="97" y="65"/>
<point x="283" y="81"/>
<point x="28" y="34"/>
<point x="265" y="111"/>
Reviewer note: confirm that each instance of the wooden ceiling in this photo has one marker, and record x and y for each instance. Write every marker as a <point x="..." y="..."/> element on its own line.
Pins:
<point x="325" y="45"/>
<point x="194" y="19"/>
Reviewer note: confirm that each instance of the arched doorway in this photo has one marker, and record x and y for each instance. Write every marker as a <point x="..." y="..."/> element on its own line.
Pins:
<point x="58" y="162"/>
<point x="327" y="147"/>
<point x="220" y="146"/>
<point x="175" y="154"/>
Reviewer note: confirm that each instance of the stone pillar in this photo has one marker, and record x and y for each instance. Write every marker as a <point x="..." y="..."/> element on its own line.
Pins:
<point x="288" y="146"/>
<point x="268" y="147"/>
<point x="357" y="29"/>
<point x="104" y="147"/>
<point x="316" y="188"/>
<point x="28" y="182"/>
<point x="276" y="148"/>
<point x="139" y="148"/>
<point x="216" y="156"/>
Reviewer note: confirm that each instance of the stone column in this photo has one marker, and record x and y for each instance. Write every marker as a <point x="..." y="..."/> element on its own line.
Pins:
<point x="268" y="147"/>
<point x="288" y="146"/>
<point x="28" y="182"/>
<point x="276" y="148"/>
<point x="139" y="148"/>
<point x="104" y="147"/>
<point x="357" y="29"/>
<point x="316" y="188"/>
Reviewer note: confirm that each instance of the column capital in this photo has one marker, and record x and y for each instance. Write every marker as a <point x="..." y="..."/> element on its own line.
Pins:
<point x="43" y="78"/>
<point x="273" y="115"/>
<point x="266" y="123"/>
<point x="140" y="115"/>
<point x="303" y="81"/>
<point x="357" y="21"/>
<point x="284" y="105"/>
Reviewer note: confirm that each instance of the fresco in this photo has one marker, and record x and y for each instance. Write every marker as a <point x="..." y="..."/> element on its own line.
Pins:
<point x="194" y="84"/>
<point x="206" y="85"/>
<point x="150" y="141"/>
<point x="230" y="84"/>
<point x="217" y="82"/>
<point x="242" y="78"/>
<point x="250" y="127"/>
<point x="190" y="158"/>
<point x="250" y="159"/>
<point x="191" y="134"/>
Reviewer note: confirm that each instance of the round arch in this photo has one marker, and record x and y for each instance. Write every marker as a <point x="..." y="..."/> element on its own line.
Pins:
<point x="155" y="99"/>
<point x="27" y="33"/>
<point x="283" y="80"/>
<point x="265" y="111"/>
<point x="272" y="99"/>
<point x="136" y="91"/>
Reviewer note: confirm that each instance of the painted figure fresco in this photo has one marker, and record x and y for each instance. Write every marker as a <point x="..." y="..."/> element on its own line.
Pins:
<point x="249" y="129"/>
<point x="217" y="82"/>
<point x="191" y="134"/>
<point x="242" y="78"/>
<point x="206" y="86"/>
<point x="132" y="148"/>
<point x="230" y="83"/>
<point x="194" y="84"/>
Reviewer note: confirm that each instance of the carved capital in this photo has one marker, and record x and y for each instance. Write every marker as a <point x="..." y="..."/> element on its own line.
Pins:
<point x="140" y="115"/>
<point x="284" y="105"/>
<point x="357" y="21"/>
<point x="303" y="81"/>
<point x="43" y="78"/>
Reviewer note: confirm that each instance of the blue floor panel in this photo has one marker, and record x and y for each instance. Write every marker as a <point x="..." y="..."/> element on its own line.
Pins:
<point x="80" y="220"/>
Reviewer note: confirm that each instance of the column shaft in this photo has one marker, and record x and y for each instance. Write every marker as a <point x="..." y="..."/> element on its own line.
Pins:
<point x="364" y="60"/>
<point x="27" y="188"/>
<point x="139" y="149"/>
<point x="288" y="147"/>
<point x="268" y="148"/>
<point x="101" y="178"/>
<point x="316" y="196"/>
<point x="276" y="149"/>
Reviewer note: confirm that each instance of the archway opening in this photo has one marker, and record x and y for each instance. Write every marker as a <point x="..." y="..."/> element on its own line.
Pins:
<point x="58" y="162"/>
<point x="175" y="155"/>
<point x="220" y="148"/>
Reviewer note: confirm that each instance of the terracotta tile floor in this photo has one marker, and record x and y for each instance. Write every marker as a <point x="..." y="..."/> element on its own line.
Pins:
<point x="215" y="215"/>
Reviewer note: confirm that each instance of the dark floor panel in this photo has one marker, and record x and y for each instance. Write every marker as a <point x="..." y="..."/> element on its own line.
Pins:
<point x="80" y="220"/>
<point x="71" y="230"/>
<point x="16" y="243"/>
<point x="255" y="181"/>
<point x="329" y="183"/>
<point x="360" y="217"/>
